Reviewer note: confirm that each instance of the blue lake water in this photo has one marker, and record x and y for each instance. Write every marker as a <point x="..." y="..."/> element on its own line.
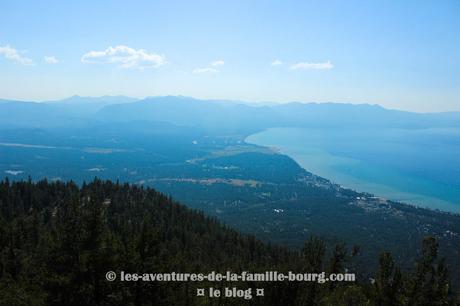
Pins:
<point x="416" y="166"/>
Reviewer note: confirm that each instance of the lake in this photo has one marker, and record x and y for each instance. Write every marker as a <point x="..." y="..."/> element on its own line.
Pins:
<point x="416" y="166"/>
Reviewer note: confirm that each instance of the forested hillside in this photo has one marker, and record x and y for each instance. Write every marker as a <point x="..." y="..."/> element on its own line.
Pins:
<point x="58" y="240"/>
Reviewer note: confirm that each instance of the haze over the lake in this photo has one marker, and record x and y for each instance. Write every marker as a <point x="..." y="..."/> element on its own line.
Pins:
<point x="416" y="166"/>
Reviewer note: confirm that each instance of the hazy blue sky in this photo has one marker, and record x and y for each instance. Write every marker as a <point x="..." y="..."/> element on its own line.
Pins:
<point x="400" y="54"/>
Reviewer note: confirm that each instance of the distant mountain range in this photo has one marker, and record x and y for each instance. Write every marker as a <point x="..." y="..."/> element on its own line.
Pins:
<point x="213" y="114"/>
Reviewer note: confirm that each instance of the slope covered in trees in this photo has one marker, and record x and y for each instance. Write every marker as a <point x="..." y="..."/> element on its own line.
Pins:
<point x="58" y="240"/>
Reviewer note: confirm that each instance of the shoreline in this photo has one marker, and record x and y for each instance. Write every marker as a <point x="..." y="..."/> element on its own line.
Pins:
<point x="354" y="183"/>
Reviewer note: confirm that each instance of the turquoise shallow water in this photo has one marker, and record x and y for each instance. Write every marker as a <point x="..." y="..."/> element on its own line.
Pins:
<point x="420" y="167"/>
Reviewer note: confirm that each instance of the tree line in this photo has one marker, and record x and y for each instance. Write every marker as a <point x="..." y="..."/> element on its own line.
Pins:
<point x="58" y="240"/>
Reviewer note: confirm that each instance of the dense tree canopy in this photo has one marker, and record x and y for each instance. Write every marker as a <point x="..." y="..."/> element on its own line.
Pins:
<point x="58" y="240"/>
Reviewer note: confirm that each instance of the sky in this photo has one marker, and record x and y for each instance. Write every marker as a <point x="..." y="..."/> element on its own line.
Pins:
<point x="399" y="54"/>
